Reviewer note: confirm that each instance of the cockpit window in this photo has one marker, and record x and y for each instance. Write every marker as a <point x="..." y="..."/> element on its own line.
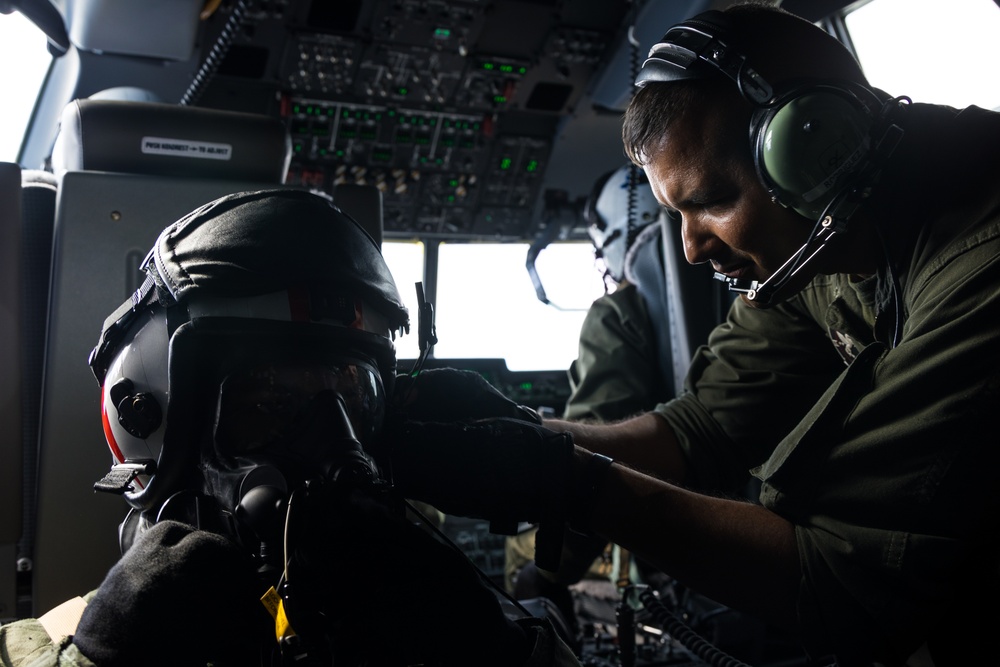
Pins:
<point x="487" y="306"/>
<point x="405" y="260"/>
<point x="930" y="50"/>
<point x="26" y="61"/>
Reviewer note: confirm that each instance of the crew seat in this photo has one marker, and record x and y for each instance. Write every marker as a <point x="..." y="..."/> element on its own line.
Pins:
<point x="124" y="170"/>
<point x="11" y="374"/>
<point x="670" y="286"/>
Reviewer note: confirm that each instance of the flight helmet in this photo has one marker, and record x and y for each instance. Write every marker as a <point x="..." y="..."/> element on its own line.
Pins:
<point x="620" y="205"/>
<point x="257" y="353"/>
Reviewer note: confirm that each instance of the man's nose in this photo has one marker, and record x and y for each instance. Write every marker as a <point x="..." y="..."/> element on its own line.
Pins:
<point x="700" y="242"/>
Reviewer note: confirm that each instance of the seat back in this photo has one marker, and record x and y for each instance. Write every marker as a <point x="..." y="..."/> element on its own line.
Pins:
<point x="38" y="204"/>
<point x="11" y="444"/>
<point x="669" y="285"/>
<point x="125" y="171"/>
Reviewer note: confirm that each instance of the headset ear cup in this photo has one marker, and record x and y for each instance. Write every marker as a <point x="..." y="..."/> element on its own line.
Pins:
<point x="809" y="146"/>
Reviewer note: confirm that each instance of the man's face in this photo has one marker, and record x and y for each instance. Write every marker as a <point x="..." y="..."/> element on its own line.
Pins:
<point x="703" y="170"/>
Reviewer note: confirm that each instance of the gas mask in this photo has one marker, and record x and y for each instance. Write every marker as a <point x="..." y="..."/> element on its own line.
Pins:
<point x="256" y="357"/>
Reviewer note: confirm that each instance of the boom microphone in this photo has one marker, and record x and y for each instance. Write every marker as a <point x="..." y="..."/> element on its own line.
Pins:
<point x="764" y="293"/>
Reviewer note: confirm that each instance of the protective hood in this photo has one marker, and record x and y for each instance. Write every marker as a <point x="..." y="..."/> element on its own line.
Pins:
<point x="231" y="247"/>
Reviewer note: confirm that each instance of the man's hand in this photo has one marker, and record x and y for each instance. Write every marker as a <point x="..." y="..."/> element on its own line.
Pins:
<point x="179" y="596"/>
<point x="502" y="470"/>
<point x="450" y="395"/>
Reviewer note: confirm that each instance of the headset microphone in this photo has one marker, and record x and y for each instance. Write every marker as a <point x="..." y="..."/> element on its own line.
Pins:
<point x="739" y="285"/>
<point x="764" y="293"/>
<point x="835" y="215"/>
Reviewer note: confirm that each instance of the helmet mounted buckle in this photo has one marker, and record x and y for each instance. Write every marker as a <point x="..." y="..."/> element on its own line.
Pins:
<point x="119" y="479"/>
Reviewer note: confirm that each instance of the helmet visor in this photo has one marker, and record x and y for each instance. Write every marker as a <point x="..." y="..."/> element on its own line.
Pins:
<point x="272" y="405"/>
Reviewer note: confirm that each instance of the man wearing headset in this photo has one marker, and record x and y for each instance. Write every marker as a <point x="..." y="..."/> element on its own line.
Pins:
<point x="857" y="376"/>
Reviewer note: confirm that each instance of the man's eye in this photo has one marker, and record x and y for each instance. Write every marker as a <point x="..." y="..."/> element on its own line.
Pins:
<point x="716" y="204"/>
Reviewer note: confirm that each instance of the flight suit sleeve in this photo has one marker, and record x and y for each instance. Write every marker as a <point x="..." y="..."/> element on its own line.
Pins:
<point x="757" y="376"/>
<point x="25" y="643"/>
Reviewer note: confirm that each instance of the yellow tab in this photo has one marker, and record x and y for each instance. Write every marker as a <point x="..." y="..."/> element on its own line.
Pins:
<point x="282" y="628"/>
<point x="271" y="601"/>
<point x="276" y="607"/>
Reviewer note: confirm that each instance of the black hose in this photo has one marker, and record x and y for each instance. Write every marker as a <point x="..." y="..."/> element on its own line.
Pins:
<point x="633" y="176"/>
<point x="217" y="53"/>
<point x="691" y="640"/>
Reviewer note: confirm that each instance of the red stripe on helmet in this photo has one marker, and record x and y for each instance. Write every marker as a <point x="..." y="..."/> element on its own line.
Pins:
<point x="359" y="316"/>
<point x="110" y="437"/>
<point x="108" y="434"/>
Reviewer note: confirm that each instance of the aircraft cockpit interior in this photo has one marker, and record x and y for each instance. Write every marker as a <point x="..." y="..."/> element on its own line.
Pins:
<point x="465" y="136"/>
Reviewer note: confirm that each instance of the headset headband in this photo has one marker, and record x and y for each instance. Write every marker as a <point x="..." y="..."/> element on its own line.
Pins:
<point x="689" y="49"/>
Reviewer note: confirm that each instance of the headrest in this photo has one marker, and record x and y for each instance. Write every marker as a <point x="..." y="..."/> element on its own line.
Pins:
<point x="170" y="140"/>
<point x="620" y="204"/>
<point x="644" y="248"/>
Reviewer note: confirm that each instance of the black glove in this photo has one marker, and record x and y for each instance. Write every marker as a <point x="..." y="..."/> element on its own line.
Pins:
<point x="502" y="470"/>
<point x="450" y="394"/>
<point x="388" y="591"/>
<point x="178" y="596"/>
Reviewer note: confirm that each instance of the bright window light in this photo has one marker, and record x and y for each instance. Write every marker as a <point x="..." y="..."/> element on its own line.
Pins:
<point x="23" y="49"/>
<point x="405" y="260"/>
<point x="938" y="51"/>
<point x="487" y="306"/>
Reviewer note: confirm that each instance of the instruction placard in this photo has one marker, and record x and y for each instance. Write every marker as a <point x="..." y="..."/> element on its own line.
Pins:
<point x="186" y="148"/>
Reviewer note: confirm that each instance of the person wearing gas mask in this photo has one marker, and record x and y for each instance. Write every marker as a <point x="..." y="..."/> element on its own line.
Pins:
<point x="856" y="376"/>
<point x="244" y="389"/>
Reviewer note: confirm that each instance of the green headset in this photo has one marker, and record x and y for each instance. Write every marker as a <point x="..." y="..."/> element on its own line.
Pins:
<point x="817" y="146"/>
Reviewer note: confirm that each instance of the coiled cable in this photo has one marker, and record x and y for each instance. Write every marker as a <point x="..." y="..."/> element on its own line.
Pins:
<point x="216" y="53"/>
<point x="677" y="629"/>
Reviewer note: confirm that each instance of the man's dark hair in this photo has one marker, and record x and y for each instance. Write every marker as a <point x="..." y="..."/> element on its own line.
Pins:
<point x="784" y="48"/>
<point x="655" y="106"/>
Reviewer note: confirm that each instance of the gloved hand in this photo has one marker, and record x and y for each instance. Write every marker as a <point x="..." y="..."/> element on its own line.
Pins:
<point x="502" y="470"/>
<point x="391" y="593"/>
<point x="178" y="596"/>
<point x="451" y="394"/>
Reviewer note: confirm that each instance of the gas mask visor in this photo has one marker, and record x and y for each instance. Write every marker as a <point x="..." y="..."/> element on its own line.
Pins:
<point x="301" y="396"/>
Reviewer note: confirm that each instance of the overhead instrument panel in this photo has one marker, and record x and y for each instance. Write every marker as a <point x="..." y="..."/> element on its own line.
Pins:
<point x="449" y="108"/>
